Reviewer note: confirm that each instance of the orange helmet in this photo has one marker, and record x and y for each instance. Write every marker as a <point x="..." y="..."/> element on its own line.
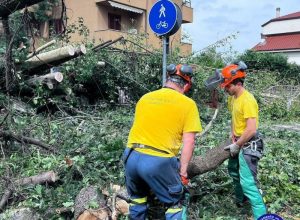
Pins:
<point x="232" y="72"/>
<point x="184" y="71"/>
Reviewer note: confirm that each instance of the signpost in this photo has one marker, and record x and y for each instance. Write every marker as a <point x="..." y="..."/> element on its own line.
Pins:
<point x="165" y="19"/>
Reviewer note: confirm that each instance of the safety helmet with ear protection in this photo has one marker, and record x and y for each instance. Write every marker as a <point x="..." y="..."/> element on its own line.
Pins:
<point x="232" y="72"/>
<point x="225" y="76"/>
<point x="184" y="71"/>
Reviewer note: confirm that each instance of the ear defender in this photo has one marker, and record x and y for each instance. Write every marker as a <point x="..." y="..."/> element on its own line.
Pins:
<point x="171" y="69"/>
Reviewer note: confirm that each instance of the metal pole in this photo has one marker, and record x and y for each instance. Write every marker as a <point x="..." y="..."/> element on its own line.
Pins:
<point x="164" y="60"/>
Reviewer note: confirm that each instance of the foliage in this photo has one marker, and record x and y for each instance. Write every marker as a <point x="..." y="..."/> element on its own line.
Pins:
<point x="274" y="62"/>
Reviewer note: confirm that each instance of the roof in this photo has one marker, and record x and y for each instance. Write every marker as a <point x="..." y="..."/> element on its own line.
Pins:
<point x="294" y="15"/>
<point x="279" y="42"/>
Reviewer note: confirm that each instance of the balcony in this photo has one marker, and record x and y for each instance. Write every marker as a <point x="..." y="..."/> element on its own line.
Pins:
<point x="187" y="12"/>
<point x="132" y="3"/>
<point x="186" y="9"/>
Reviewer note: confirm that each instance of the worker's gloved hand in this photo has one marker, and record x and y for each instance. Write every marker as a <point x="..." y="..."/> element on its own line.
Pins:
<point x="234" y="149"/>
<point x="185" y="181"/>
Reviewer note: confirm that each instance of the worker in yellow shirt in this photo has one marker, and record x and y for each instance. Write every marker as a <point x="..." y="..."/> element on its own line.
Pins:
<point x="164" y="120"/>
<point x="247" y="145"/>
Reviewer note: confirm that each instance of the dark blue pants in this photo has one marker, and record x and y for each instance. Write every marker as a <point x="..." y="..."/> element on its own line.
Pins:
<point x="160" y="175"/>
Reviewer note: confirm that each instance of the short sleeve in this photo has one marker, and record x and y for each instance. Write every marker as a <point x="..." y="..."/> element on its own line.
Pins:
<point x="192" y="120"/>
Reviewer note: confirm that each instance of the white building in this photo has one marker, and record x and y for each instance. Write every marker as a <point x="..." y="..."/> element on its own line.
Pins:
<point x="282" y="35"/>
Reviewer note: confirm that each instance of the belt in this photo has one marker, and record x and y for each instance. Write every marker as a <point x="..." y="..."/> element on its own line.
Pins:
<point x="252" y="145"/>
<point x="142" y="146"/>
<point x="253" y="149"/>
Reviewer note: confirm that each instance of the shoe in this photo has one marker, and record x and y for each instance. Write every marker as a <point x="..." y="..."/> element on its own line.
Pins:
<point x="242" y="204"/>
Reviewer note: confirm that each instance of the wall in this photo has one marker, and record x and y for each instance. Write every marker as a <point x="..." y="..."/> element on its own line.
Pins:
<point x="285" y="26"/>
<point x="293" y="57"/>
<point x="96" y="19"/>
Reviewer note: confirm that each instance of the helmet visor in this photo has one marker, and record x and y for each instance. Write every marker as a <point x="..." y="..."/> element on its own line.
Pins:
<point x="214" y="81"/>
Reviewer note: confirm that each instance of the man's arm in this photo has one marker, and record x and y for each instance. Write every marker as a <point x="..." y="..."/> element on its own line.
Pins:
<point x="248" y="133"/>
<point x="187" y="152"/>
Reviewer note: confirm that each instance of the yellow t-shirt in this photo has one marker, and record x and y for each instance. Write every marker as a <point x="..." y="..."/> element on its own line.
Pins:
<point x="243" y="107"/>
<point x="161" y="118"/>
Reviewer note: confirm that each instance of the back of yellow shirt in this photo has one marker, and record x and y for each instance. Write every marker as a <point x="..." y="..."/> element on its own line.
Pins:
<point x="161" y="117"/>
<point x="243" y="107"/>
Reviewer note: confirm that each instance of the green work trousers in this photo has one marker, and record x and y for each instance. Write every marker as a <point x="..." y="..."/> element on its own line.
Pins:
<point x="243" y="170"/>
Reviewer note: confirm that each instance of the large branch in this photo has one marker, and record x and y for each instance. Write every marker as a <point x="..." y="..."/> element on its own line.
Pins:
<point x="7" y="7"/>
<point x="27" y="140"/>
<point x="210" y="161"/>
<point x="106" y="44"/>
<point x="50" y="43"/>
<point x="46" y="177"/>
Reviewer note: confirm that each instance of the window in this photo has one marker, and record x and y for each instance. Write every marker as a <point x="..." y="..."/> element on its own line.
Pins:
<point x="57" y="26"/>
<point x="114" y="21"/>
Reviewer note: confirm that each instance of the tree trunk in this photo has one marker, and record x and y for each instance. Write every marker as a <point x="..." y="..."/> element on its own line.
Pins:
<point x="78" y="51"/>
<point x="210" y="161"/>
<point x="50" y="56"/>
<point x="8" y="7"/>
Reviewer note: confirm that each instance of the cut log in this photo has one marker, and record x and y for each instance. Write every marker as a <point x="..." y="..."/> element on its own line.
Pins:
<point x="50" y="76"/>
<point x="8" y="7"/>
<point x="46" y="177"/>
<point x="49" y="79"/>
<point x="50" y="56"/>
<point x="210" y="161"/>
<point x="78" y="51"/>
<point x="50" y="43"/>
<point x="84" y="199"/>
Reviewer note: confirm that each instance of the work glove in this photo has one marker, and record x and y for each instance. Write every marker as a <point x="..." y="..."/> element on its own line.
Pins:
<point x="185" y="181"/>
<point x="234" y="149"/>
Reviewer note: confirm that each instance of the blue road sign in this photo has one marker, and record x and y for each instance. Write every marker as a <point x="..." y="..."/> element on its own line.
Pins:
<point x="163" y="17"/>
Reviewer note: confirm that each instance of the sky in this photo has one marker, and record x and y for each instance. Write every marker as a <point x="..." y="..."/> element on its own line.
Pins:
<point x="215" y="19"/>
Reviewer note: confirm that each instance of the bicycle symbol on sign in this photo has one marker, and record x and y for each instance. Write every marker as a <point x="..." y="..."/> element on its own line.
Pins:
<point x="163" y="24"/>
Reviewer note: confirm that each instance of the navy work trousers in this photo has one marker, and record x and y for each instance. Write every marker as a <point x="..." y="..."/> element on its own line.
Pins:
<point x="143" y="173"/>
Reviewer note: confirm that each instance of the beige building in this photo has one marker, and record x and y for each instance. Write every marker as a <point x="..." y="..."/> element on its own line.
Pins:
<point x="110" y="19"/>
